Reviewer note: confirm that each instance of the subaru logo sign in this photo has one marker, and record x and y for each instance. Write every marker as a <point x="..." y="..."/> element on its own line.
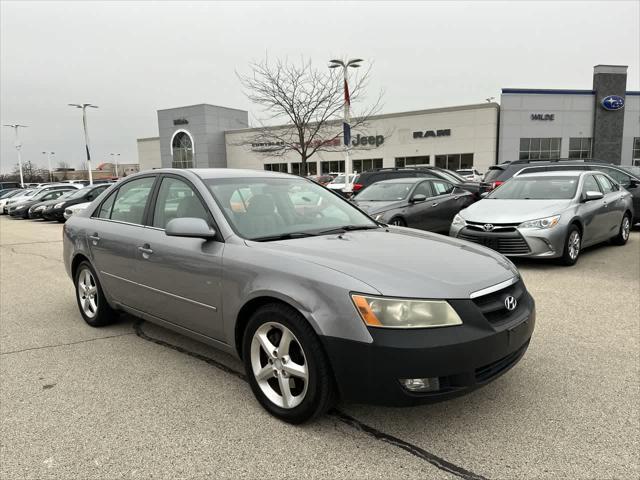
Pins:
<point x="612" y="102"/>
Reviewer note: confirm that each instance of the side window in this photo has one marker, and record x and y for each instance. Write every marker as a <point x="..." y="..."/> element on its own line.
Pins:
<point x="620" y="177"/>
<point x="107" y="205"/>
<point x="590" y="185"/>
<point x="176" y="199"/>
<point x="442" y="188"/>
<point x="424" y="189"/>
<point x="95" y="193"/>
<point x="607" y="186"/>
<point x="131" y="199"/>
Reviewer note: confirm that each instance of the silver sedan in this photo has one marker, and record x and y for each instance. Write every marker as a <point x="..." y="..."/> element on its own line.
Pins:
<point x="548" y="215"/>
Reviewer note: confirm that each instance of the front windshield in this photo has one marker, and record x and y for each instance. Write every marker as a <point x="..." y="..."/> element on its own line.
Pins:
<point x="385" y="192"/>
<point x="536" y="188"/>
<point x="79" y="193"/>
<point x="259" y="208"/>
<point x="492" y="174"/>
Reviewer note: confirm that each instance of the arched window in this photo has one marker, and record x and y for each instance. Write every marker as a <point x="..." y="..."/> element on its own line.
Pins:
<point x="182" y="150"/>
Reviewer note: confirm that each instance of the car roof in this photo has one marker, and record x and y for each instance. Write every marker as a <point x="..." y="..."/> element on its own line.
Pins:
<point x="407" y="180"/>
<point x="559" y="173"/>
<point x="208" y="173"/>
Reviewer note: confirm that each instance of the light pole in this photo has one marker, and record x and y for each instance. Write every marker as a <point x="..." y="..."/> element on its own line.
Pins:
<point x="115" y="157"/>
<point x="48" y="154"/>
<point x="18" y="146"/>
<point x="346" y="125"/>
<point x="84" y="106"/>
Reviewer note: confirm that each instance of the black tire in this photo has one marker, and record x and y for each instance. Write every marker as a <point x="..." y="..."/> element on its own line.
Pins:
<point x="568" y="257"/>
<point x="623" y="232"/>
<point x="398" y="222"/>
<point x="320" y="389"/>
<point x="104" y="314"/>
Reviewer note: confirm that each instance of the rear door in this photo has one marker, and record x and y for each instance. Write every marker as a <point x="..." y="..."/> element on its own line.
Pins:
<point x="593" y="212"/>
<point x="613" y="203"/>
<point x="444" y="205"/>
<point x="113" y="235"/>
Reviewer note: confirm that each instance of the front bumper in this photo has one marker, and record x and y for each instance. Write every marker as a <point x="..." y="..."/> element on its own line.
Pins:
<point x="516" y="242"/>
<point x="463" y="358"/>
<point x="53" y="213"/>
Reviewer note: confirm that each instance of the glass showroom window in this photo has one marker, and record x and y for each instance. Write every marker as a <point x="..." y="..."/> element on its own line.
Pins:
<point x="368" y="164"/>
<point x="182" y="149"/>
<point x="276" y="167"/>
<point x="580" y="147"/>
<point x="539" y="148"/>
<point x="455" y="161"/>
<point x="312" y="168"/>
<point x="402" y="162"/>
<point x="636" y="151"/>
<point x="332" y="167"/>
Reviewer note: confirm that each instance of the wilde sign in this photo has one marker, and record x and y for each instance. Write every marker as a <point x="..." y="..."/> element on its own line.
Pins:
<point x="432" y="133"/>
<point x="543" y="116"/>
<point x="367" y="140"/>
<point x="180" y="121"/>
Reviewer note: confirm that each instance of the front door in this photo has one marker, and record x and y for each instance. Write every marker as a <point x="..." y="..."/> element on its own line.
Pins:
<point x="182" y="276"/>
<point x="592" y="212"/>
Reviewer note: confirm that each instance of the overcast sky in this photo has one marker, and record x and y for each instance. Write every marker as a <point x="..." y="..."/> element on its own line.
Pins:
<point x="133" y="58"/>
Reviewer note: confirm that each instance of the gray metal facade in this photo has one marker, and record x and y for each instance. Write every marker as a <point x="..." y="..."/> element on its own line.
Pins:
<point x="608" y="125"/>
<point x="206" y="125"/>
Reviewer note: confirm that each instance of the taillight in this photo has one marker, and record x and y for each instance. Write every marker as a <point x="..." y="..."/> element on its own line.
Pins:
<point x="496" y="184"/>
<point x="357" y="187"/>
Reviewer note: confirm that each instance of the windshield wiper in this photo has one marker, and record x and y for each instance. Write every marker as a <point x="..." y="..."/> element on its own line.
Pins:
<point x="348" y="228"/>
<point x="283" y="236"/>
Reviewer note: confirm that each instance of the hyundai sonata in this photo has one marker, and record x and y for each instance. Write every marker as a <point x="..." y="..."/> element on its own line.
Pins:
<point x="319" y="300"/>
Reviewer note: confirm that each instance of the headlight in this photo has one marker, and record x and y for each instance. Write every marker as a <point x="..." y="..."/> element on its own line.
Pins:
<point x="58" y="205"/>
<point x="38" y="209"/>
<point x="547" y="222"/>
<point x="378" y="217"/>
<point x="403" y="313"/>
<point x="458" y="221"/>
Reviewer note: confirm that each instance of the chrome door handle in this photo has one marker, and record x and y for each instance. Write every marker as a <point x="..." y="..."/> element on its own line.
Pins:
<point x="456" y="198"/>
<point x="146" y="250"/>
<point x="435" y="204"/>
<point x="94" y="238"/>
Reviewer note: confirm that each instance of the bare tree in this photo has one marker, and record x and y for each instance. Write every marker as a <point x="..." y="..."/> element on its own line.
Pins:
<point x="31" y="173"/>
<point x="308" y="103"/>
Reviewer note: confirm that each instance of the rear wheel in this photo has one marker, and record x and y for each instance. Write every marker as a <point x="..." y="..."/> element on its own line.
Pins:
<point x="286" y="366"/>
<point x="572" y="246"/>
<point x="623" y="233"/>
<point x="91" y="300"/>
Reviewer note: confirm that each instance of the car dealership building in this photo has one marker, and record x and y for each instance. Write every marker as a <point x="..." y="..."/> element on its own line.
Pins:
<point x="601" y="123"/>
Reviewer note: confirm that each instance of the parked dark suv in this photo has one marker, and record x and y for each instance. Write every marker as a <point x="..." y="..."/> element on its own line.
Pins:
<point x="625" y="175"/>
<point x="364" y="179"/>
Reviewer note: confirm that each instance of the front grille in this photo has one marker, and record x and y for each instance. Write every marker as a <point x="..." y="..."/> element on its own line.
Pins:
<point x="493" y="308"/>
<point x="486" y="373"/>
<point x="505" y="242"/>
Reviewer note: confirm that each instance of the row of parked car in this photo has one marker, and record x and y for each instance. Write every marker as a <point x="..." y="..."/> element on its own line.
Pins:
<point x="49" y="201"/>
<point x="547" y="209"/>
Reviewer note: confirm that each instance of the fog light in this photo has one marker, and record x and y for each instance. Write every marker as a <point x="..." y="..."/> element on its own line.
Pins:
<point x="431" y="384"/>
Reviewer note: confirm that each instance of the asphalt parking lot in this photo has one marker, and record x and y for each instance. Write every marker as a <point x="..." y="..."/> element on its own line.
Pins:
<point x="136" y="401"/>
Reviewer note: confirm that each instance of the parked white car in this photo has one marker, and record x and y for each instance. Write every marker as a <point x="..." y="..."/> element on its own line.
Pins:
<point x="341" y="184"/>
<point x="74" y="209"/>
<point x="470" y="174"/>
<point x="29" y="193"/>
<point x="16" y="193"/>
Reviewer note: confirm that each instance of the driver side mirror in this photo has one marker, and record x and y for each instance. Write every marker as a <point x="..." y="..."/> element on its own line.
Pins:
<point x="633" y="183"/>
<point x="189" y="227"/>
<point x="418" y="197"/>
<point x="591" y="195"/>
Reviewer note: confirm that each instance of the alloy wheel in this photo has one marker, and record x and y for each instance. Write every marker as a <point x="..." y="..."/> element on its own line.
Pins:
<point x="574" y="244"/>
<point x="279" y="365"/>
<point x="88" y="293"/>
<point x="626" y="228"/>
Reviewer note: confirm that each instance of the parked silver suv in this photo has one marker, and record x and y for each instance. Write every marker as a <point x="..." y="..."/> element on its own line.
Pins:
<point x="548" y="215"/>
<point x="318" y="299"/>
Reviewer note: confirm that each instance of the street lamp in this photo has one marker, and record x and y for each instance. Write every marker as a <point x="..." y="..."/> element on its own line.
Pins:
<point x="346" y="127"/>
<point x="18" y="146"/>
<point x="115" y="156"/>
<point x="48" y="154"/>
<point x="84" y="106"/>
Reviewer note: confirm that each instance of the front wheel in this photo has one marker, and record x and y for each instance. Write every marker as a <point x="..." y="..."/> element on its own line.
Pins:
<point x="398" y="222"/>
<point x="572" y="247"/>
<point x="623" y="233"/>
<point x="286" y="366"/>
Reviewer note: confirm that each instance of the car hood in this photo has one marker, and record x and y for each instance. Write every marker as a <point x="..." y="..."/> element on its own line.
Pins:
<point x="401" y="262"/>
<point x="512" y="211"/>
<point x="377" y="207"/>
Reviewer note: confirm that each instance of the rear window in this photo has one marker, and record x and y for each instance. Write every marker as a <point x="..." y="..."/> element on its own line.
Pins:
<point x="493" y="174"/>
